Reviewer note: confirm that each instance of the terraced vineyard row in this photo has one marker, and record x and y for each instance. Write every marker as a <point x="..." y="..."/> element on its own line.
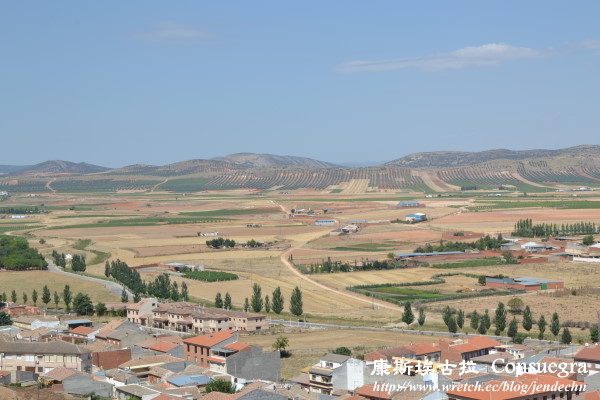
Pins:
<point x="476" y="175"/>
<point x="23" y="186"/>
<point x="568" y="176"/>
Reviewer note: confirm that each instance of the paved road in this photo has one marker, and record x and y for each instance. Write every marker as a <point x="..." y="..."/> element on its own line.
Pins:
<point x="112" y="286"/>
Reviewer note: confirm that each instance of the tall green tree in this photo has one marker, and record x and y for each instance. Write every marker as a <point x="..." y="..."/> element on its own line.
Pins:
<point x="267" y="304"/>
<point x="555" y="325"/>
<point x="447" y="315"/>
<point x="67" y="297"/>
<point x="566" y="336"/>
<point x="527" y="319"/>
<point x="594" y="333"/>
<point x="541" y="326"/>
<point x="500" y="318"/>
<point x="487" y="321"/>
<point x="421" y="319"/>
<point x="227" y="303"/>
<point x="460" y="319"/>
<point x="25" y="298"/>
<point x="46" y="296"/>
<point x="513" y="328"/>
<point x="408" y="317"/>
<point x="257" y="299"/>
<point x="482" y="329"/>
<point x="246" y="305"/>
<point x="185" y="295"/>
<point x="452" y="326"/>
<point x="34" y="297"/>
<point x="13" y="296"/>
<point x="474" y="320"/>
<point x="278" y="301"/>
<point x="124" y="296"/>
<point x="218" y="300"/>
<point x="107" y="269"/>
<point x="82" y="304"/>
<point x="56" y="300"/>
<point x="296" y="302"/>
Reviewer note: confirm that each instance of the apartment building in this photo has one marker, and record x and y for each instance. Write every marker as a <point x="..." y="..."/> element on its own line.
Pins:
<point x="192" y="318"/>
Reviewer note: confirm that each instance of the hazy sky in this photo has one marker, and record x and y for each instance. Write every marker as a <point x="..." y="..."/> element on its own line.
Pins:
<point x="123" y="82"/>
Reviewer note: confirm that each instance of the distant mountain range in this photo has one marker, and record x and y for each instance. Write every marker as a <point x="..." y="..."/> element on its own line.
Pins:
<point x="442" y="171"/>
<point x="449" y="159"/>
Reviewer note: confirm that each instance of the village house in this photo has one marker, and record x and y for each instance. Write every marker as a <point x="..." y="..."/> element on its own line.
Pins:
<point x="335" y="371"/>
<point x="31" y="322"/>
<point x="42" y="357"/>
<point x="590" y="356"/>
<point x="198" y="349"/>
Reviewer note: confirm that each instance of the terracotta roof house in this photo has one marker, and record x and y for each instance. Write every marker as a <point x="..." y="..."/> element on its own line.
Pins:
<point x="198" y="349"/>
<point x="590" y="355"/>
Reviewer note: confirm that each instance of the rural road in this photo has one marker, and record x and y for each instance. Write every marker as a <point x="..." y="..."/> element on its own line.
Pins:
<point x="114" y="287"/>
<point x="284" y="259"/>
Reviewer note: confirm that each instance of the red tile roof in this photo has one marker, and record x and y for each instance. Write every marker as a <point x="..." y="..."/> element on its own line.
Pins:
<point x="236" y="346"/>
<point x="163" y="347"/>
<point x="591" y="353"/>
<point x="368" y="391"/>
<point x="475" y="344"/>
<point x="83" y="330"/>
<point x="211" y="339"/>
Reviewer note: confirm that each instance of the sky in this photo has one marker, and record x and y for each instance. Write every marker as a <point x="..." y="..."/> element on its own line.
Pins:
<point x="116" y="83"/>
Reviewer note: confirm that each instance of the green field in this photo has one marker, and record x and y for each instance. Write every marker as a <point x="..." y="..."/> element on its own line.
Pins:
<point x="232" y="212"/>
<point x="141" y="222"/>
<point x="210" y="276"/>
<point x="375" y="247"/>
<point x="566" y="205"/>
<point x="4" y="229"/>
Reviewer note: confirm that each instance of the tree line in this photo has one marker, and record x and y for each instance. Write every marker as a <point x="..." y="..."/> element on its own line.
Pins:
<point x="526" y="228"/>
<point x="258" y="303"/>
<point x="15" y="254"/>
<point x="485" y="243"/>
<point x="220" y="243"/>
<point x="482" y="323"/>
<point x="80" y="302"/>
<point x="161" y="287"/>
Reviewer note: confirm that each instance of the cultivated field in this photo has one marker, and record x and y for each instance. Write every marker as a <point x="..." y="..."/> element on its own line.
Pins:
<point x="161" y="227"/>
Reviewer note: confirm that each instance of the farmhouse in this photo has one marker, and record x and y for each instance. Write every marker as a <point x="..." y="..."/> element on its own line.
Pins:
<point x="527" y="284"/>
<point x="416" y="217"/>
<point x="176" y="267"/>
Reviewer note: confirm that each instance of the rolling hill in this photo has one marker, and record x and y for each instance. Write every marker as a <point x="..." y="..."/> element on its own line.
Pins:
<point x="524" y="171"/>
<point x="254" y="160"/>
<point x="449" y="159"/>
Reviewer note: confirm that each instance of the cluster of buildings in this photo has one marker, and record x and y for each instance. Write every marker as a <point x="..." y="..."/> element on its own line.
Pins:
<point x="161" y="351"/>
<point x="473" y="368"/>
<point x="192" y="318"/>
<point x="175" y="350"/>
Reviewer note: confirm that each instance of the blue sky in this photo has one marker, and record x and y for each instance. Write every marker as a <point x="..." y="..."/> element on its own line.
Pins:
<point x="117" y="83"/>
